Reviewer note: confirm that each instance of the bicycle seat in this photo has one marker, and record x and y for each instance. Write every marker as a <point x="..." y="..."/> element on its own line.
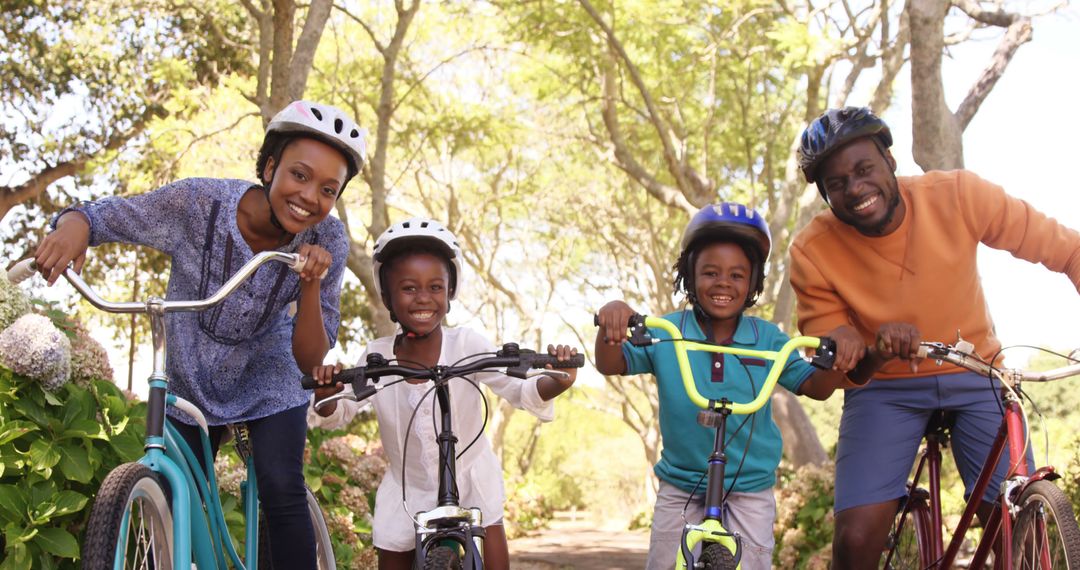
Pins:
<point x="940" y="424"/>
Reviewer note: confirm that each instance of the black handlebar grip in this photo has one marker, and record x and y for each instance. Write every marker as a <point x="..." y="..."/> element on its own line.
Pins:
<point x="825" y="355"/>
<point x="345" y="376"/>
<point x="308" y="383"/>
<point x="542" y="360"/>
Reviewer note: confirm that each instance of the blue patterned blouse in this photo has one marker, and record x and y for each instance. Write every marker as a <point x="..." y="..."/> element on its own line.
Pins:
<point x="234" y="361"/>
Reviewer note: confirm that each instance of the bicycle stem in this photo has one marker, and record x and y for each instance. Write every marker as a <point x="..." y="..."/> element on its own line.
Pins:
<point x="448" y="489"/>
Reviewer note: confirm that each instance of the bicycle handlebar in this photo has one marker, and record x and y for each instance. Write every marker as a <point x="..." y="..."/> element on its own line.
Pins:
<point x="27" y="268"/>
<point x="825" y="354"/>
<point x="963" y="355"/>
<point x="518" y="363"/>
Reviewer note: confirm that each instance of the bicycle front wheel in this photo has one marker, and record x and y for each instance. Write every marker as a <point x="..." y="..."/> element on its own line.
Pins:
<point x="130" y="523"/>
<point x="716" y="556"/>
<point x="1045" y="534"/>
<point x="442" y="558"/>
<point x="324" y="548"/>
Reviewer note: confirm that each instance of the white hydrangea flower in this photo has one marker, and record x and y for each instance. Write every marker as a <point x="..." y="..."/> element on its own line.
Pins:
<point x="33" y="347"/>
<point x="13" y="302"/>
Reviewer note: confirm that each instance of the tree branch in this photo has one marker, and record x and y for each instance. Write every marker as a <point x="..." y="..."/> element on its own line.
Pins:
<point x="304" y="55"/>
<point x="1018" y="34"/>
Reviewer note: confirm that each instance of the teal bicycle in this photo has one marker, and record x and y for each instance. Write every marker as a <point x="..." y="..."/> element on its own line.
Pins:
<point x="163" y="512"/>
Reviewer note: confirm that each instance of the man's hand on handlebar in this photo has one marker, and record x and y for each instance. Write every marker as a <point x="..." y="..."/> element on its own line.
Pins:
<point x="324" y="375"/>
<point x="899" y="340"/>
<point x="850" y="348"/>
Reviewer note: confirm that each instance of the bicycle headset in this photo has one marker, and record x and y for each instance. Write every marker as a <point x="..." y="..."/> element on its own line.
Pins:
<point x="323" y="123"/>
<point x="724" y="222"/>
<point x="833" y="129"/>
<point x="414" y="234"/>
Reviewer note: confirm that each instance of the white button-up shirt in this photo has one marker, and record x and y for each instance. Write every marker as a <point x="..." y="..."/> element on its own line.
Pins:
<point x="479" y="474"/>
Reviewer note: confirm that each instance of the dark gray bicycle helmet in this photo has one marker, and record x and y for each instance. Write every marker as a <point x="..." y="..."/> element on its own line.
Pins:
<point x="833" y="129"/>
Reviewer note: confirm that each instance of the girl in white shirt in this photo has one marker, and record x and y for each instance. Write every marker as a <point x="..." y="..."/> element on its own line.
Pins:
<point x="416" y="269"/>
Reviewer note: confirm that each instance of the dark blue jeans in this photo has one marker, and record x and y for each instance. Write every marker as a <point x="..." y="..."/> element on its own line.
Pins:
<point x="277" y="443"/>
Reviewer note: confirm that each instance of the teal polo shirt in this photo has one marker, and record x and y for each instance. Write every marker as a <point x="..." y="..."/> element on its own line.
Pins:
<point x="686" y="444"/>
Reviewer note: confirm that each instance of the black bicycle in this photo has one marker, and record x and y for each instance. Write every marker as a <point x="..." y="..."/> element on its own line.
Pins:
<point x="449" y="536"/>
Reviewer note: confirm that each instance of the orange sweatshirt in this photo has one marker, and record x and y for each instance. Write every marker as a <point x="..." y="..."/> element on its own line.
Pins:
<point x="924" y="273"/>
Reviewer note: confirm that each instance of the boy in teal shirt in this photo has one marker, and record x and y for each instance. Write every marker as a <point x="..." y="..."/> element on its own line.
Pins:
<point x="721" y="272"/>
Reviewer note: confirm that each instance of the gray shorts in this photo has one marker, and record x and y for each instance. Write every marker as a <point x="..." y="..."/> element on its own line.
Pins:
<point x="750" y="514"/>
<point x="882" y="427"/>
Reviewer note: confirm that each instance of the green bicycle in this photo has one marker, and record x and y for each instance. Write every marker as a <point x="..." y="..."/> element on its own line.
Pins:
<point x="721" y="548"/>
<point x="164" y="510"/>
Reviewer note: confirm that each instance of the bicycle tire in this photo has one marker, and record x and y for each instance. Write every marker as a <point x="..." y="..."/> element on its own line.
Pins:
<point x="716" y="556"/>
<point x="907" y="546"/>
<point x="1045" y="525"/>
<point x="324" y="547"/>
<point x="146" y="540"/>
<point x="442" y="558"/>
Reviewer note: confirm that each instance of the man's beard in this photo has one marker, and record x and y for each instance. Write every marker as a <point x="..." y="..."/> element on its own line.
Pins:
<point x="878" y="228"/>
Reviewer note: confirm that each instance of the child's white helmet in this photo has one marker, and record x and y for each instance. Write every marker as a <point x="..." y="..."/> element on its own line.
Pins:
<point x="327" y="123"/>
<point x="410" y="233"/>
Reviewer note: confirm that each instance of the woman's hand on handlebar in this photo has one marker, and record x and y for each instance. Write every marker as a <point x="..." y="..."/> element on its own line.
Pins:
<point x="324" y="375"/>
<point x="316" y="261"/>
<point x="551" y="386"/>
<point x="612" y="319"/>
<point x="65" y="244"/>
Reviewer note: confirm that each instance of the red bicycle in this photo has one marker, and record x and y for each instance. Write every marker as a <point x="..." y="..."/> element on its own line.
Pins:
<point x="1034" y="523"/>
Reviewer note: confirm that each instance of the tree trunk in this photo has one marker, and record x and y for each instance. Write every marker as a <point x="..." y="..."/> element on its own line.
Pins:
<point x="801" y="443"/>
<point x="935" y="140"/>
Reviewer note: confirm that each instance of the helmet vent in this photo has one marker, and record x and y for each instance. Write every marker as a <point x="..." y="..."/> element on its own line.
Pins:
<point x="338" y="125"/>
<point x="318" y="115"/>
<point x="405" y="225"/>
<point x="354" y="134"/>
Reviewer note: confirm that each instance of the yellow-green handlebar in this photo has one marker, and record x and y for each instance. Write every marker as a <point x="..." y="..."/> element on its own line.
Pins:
<point x="779" y="360"/>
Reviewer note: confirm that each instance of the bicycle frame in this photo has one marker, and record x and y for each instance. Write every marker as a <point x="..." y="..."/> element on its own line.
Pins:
<point x="449" y="522"/>
<point x="715" y="415"/>
<point x="1012" y="435"/>
<point x="167" y="453"/>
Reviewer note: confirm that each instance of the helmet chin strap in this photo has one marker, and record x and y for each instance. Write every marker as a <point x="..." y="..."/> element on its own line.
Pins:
<point x="701" y="315"/>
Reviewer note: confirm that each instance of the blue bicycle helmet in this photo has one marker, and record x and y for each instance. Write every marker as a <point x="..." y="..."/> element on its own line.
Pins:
<point x="726" y="221"/>
<point x="833" y="129"/>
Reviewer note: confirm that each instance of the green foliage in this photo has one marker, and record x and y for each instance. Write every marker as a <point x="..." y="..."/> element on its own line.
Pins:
<point x="13" y="302"/>
<point x="804" y="516"/>
<point x="55" y="450"/>
<point x="344" y="469"/>
<point x="527" y="509"/>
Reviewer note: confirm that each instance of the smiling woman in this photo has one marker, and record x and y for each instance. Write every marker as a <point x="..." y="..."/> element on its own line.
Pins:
<point x="241" y="361"/>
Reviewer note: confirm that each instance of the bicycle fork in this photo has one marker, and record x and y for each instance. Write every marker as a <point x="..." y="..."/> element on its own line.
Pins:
<point x="711" y="528"/>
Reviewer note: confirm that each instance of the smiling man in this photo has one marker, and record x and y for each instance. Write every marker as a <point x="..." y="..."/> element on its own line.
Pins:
<point x="893" y="262"/>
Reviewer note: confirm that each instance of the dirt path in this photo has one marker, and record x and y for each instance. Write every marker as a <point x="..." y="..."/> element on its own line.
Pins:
<point x="577" y="545"/>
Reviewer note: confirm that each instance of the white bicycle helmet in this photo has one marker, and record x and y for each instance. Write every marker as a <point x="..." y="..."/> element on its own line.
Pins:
<point x="411" y="232"/>
<point x="327" y="123"/>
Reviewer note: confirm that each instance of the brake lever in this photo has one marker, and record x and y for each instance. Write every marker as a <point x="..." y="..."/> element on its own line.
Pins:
<point x="825" y="354"/>
<point x="639" y="335"/>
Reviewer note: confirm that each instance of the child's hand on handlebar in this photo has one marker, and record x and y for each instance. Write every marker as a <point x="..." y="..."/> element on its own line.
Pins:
<point x="564" y="353"/>
<point x="67" y="243"/>
<point x="612" y="319"/>
<point x="324" y="375"/>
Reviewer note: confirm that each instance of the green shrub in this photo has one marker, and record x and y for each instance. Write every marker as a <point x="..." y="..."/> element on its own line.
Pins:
<point x="804" y="516"/>
<point x="527" y="509"/>
<point x="55" y="450"/>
